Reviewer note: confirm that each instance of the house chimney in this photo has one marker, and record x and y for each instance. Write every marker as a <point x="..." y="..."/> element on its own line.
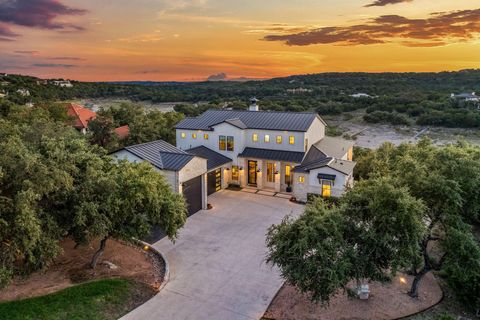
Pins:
<point x="253" y="105"/>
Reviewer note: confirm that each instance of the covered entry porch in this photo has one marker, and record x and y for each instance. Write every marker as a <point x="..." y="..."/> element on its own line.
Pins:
<point x="268" y="169"/>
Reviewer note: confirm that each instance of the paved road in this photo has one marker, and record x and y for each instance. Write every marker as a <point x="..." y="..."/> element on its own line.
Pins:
<point x="217" y="265"/>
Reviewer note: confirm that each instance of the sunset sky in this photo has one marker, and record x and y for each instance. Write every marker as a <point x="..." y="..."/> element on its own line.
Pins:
<point x="189" y="40"/>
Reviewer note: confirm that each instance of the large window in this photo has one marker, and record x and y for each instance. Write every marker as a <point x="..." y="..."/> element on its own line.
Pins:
<point x="230" y="143"/>
<point x="291" y="140"/>
<point x="255" y="137"/>
<point x="267" y="138"/>
<point x="279" y="139"/>
<point x="288" y="175"/>
<point x="326" y="188"/>
<point x="194" y="135"/>
<point x="222" y="143"/>
<point x="235" y="173"/>
<point x="301" y="179"/>
<point x="270" y="172"/>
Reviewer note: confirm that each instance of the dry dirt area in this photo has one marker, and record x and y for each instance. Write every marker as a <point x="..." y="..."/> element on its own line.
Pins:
<point x="388" y="301"/>
<point x="71" y="268"/>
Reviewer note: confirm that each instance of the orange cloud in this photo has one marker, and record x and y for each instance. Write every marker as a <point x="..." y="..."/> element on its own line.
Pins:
<point x="381" y="3"/>
<point x="459" y="25"/>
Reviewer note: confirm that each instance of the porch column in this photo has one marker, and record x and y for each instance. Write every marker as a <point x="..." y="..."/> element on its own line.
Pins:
<point x="260" y="174"/>
<point x="278" y="176"/>
<point x="243" y="173"/>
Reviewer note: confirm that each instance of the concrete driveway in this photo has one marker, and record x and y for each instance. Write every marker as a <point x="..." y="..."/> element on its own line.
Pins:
<point x="217" y="265"/>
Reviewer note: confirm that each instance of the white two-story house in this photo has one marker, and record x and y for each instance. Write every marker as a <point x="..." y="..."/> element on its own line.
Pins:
<point x="279" y="151"/>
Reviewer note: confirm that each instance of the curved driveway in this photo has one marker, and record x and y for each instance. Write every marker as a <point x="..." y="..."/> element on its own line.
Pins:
<point x="217" y="264"/>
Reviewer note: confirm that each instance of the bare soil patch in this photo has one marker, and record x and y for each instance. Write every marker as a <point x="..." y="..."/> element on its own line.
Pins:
<point x="387" y="301"/>
<point x="72" y="267"/>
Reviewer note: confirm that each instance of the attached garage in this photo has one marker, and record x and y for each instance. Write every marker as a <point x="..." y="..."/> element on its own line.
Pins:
<point x="185" y="172"/>
<point x="214" y="181"/>
<point x="192" y="191"/>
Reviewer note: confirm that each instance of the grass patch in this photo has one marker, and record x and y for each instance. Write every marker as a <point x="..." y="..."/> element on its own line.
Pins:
<point x="98" y="300"/>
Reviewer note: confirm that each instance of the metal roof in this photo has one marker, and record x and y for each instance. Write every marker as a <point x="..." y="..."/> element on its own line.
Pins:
<point x="214" y="159"/>
<point x="262" y="120"/>
<point x="334" y="147"/>
<point x="267" y="154"/>
<point x="314" y="164"/>
<point x="161" y="154"/>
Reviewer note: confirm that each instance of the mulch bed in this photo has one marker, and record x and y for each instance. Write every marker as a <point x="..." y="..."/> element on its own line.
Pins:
<point x="387" y="301"/>
<point x="72" y="267"/>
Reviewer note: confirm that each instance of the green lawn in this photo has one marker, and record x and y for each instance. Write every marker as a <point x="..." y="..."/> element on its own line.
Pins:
<point x="103" y="299"/>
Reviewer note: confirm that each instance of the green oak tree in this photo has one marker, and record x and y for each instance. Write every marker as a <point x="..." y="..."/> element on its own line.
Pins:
<point x="372" y="233"/>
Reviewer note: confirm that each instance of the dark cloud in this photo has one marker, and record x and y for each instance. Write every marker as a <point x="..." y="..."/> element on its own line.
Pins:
<point x="26" y="52"/>
<point x="38" y="14"/>
<point x="381" y="3"/>
<point x="217" y="77"/>
<point x="66" y="58"/>
<point x="436" y="30"/>
<point x="6" y="34"/>
<point x="53" y="65"/>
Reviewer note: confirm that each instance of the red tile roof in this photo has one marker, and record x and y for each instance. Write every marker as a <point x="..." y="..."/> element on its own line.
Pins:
<point x="81" y="115"/>
<point x="122" y="132"/>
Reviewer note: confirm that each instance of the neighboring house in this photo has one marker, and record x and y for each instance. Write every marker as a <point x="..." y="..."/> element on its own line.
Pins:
<point x="81" y="116"/>
<point x="361" y="95"/>
<point x="279" y="151"/>
<point x="299" y="90"/>
<point x="122" y="132"/>
<point x="466" y="97"/>
<point x="63" y="83"/>
<point x="23" y="92"/>
<point x="185" y="172"/>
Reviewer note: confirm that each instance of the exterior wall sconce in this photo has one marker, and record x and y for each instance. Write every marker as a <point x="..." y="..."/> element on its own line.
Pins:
<point x="276" y="171"/>
<point x="228" y="169"/>
<point x="258" y="170"/>
<point x="240" y="168"/>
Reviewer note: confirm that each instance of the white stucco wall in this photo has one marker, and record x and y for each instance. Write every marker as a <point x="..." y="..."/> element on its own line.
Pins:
<point x="171" y="176"/>
<point x="315" y="133"/>
<point x="312" y="183"/>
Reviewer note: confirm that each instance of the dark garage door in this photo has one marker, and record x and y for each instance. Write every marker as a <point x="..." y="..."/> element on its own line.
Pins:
<point x="192" y="191"/>
<point x="214" y="181"/>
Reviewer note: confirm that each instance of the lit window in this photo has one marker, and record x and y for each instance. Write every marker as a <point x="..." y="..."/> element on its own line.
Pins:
<point x="205" y="136"/>
<point x="301" y="179"/>
<point x="279" y="139"/>
<point x="288" y="176"/>
<point x="194" y="135"/>
<point x="222" y="142"/>
<point x="326" y="189"/>
<point x="255" y="137"/>
<point x="267" y="138"/>
<point x="230" y="143"/>
<point x="291" y="140"/>
<point x="235" y="173"/>
<point x="183" y="135"/>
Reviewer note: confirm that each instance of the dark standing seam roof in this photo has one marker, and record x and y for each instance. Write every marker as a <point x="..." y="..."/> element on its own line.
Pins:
<point x="214" y="159"/>
<point x="268" y="154"/>
<point x="161" y="154"/>
<point x="306" y="167"/>
<point x="262" y="120"/>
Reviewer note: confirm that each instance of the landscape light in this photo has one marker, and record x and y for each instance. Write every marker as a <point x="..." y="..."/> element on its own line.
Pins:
<point x="403" y="280"/>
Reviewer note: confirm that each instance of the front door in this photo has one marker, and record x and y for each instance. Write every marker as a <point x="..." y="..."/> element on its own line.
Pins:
<point x="252" y="172"/>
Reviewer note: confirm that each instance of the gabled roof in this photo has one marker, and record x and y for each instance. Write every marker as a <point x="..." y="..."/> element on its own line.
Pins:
<point x="122" y="132"/>
<point x="214" y="159"/>
<point x="262" y="120"/>
<point x="342" y="166"/>
<point x="334" y="147"/>
<point x="161" y="154"/>
<point x="80" y="114"/>
<point x="267" y="154"/>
